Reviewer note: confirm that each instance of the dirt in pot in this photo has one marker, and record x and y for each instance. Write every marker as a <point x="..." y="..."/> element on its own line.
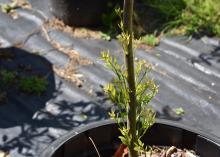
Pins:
<point x="154" y="151"/>
<point x="157" y="151"/>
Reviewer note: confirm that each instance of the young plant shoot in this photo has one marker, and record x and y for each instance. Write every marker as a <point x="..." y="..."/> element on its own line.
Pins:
<point x="132" y="89"/>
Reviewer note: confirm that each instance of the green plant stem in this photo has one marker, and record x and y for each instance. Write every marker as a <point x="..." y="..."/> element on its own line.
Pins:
<point x="129" y="58"/>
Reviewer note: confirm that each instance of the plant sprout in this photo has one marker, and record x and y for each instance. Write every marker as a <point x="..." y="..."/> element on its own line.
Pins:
<point x="132" y="89"/>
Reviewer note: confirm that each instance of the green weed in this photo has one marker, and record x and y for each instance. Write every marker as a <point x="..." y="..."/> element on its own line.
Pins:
<point x="7" y="77"/>
<point x="179" y="111"/>
<point x="14" y="4"/>
<point x="33" y="84"/>
<point x="150" y="40"/>
<point x="168" y="8"/>
<point x="8" y="7"/>
<point x="106" y="37"/>
<point x="190" y="16"/>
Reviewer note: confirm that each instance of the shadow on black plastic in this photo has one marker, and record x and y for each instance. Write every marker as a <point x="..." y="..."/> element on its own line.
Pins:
<point x="208" y="58"/>
<point x="29" y="116"/>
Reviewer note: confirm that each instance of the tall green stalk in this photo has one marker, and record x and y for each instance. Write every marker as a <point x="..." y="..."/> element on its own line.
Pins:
<point x="131" y="89"/>
<point x="129" y="58"/>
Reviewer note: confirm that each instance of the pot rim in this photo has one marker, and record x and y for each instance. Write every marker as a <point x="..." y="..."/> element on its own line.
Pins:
<point x="61" y="140"/>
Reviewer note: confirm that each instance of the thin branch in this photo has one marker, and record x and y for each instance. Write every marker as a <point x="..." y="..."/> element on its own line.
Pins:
<point x="93" y="143"/>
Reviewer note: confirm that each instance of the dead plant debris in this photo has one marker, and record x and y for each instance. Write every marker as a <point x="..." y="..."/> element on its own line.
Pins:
<point x="57" y="24"/>
<point x="4" y="154"/>
<point x="69" y="72"/>
<point x="75" y="32"/>
<point x="74" y="55"/>
<point x="70" y="52"/>
<point x="169" y="152"/>
<point x="23" y="4"/>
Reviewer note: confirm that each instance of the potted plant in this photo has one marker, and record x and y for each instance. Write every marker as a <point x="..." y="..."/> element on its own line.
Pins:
<point x="81" y="12"/>
<point x="131" y="90"/>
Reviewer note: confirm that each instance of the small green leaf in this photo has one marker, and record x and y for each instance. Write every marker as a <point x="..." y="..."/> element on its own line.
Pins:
<point x="123" y="140"/>
<point x="150" y="40"/>
<point x="7" y="76"/>
<point x="179" y="111"/>
<point x="5" y="8"/>
<point x="105" y="36"/>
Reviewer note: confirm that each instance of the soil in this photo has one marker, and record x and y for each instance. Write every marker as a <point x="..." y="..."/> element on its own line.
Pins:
<point x="156" y="151"/>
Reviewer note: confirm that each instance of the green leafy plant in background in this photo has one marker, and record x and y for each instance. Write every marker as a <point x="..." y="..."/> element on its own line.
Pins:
<point x="7" y="77"/>
<point x="132" y="89"/>
<point x="189" y="16"/>
<point x="109" y="20"/>
<point x="105" y="36"/>
<point x="150" y="39"/>
<point x="33" y="84"/>
<point x="169" y="9"/>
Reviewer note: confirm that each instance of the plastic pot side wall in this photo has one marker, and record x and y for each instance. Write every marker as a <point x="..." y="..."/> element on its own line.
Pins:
<point x="105" y="135"/>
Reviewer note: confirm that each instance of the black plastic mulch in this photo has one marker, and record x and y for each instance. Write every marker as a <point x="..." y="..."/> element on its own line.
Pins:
<point x="188" y="75"/>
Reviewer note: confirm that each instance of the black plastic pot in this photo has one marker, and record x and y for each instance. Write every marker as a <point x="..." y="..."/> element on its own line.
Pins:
<point x="105" y="135"/>
<point x="80" y="12"/>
